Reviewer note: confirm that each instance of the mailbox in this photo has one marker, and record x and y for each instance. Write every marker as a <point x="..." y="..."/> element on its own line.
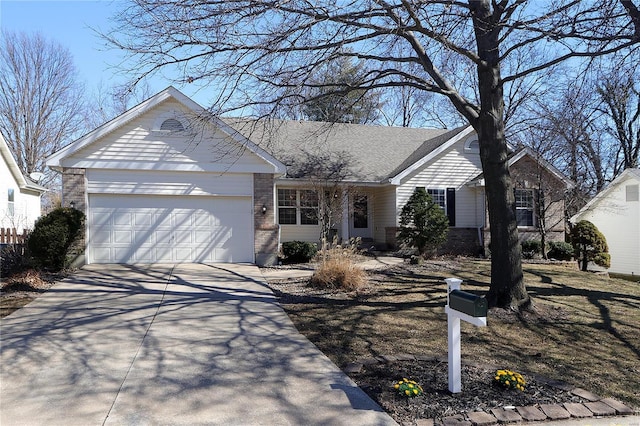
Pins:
<point x="470" y="304"/>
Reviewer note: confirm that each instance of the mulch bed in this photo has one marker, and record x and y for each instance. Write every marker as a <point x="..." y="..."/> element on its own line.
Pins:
<point x="478" y="391"/>
<point x="21" y="288"/>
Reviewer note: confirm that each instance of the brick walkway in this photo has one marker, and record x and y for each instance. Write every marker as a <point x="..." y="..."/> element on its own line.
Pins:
<point x="594" y="407"/>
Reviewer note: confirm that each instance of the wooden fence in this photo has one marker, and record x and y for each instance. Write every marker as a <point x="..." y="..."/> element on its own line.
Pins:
<point x="11" y="236"/>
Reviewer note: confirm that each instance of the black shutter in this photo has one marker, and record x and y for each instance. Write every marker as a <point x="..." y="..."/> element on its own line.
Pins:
<point x="451" y="206"/>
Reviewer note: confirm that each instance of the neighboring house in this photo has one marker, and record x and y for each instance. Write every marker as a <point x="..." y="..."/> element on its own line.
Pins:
<point x="164" y="182"/>
<point x="19" y="195"/>
<point x="615" y="211"/>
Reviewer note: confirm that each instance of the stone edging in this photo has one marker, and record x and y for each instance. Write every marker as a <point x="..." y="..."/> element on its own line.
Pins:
<point x="595" y="407"/>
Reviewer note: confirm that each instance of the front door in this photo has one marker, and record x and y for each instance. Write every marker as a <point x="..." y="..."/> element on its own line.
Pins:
<point x="360" y="224"/>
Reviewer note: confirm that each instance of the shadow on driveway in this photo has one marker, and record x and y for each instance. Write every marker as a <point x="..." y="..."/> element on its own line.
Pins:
<point x="190" y="344"/>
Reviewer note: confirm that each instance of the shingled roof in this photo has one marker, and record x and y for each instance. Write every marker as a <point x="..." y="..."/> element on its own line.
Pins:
<point x="372" y="153"/>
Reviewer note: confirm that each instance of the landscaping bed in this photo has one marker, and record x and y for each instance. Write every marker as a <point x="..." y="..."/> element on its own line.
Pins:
<point x="582" y="330"/>
<point x="19" y="289"/>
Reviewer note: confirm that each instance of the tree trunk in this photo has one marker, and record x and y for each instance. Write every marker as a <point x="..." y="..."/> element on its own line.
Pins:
<point x="507" y="285"/>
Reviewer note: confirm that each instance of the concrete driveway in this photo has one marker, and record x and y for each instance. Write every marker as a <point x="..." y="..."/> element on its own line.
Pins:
<point x="161" y="345"/>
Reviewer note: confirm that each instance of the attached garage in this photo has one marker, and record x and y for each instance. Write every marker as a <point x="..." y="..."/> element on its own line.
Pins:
<point x="169" y="229"/>
<point x="160" y="185"/>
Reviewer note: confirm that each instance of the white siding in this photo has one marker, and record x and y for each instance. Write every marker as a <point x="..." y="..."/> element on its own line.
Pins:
<point x="619" y="221"/>
<point x="168" y="183"/>
<point x="452" y="169"/>
<point x="137" y="146"/>
<point x="26" y="207"/>
<point x="309" y="233"/>
<point x="384" y="208"/>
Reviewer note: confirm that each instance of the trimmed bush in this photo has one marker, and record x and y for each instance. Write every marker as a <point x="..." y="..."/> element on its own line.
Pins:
<point x="590" y="245"/>
<point x="560" y="250"/>
<point x="530" y="248"/>
<point x="298" y="251"/>
<point x="53" y="236"/>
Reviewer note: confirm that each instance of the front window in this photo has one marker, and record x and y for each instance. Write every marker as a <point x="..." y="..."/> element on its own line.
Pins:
<point x="308" y="207"/>
<point x="439" y="197"/>
<point x="524" y="207"/>
<point x="11" y="209"/>
<point x="297" y="206"/>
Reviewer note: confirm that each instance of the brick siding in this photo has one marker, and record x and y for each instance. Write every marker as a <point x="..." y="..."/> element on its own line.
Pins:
<point x="266" y="231"/>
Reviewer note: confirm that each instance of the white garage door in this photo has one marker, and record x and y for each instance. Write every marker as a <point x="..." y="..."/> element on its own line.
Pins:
<point x="168" y="229"/>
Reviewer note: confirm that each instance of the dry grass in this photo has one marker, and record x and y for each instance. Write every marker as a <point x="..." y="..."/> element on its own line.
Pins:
<point x="584" y="329"/>
<point x="338" y="269"/>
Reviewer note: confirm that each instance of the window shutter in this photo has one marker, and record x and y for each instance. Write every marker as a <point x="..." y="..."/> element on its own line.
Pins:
<point x="451" y="206"/>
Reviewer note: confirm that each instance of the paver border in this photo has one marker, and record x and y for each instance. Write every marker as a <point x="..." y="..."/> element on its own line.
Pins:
<point x="609" y="407"/>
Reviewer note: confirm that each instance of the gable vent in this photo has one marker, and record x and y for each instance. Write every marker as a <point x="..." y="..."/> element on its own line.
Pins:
<point x="172" y="125"/>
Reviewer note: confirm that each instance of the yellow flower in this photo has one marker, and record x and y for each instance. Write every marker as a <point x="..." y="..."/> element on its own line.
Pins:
<point x="415" y="391"/>
<point x="497" y="377"/>
<point x="396" y="386"/>
<point x="506" y="383"/>
<point x="410" y="385"/>
<point x="407" y="392"/>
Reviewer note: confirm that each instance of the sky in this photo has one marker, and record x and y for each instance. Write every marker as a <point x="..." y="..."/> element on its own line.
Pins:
<point x="70" y="24"/>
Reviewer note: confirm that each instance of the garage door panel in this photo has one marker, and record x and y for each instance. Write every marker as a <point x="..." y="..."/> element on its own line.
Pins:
<point x="122" y="237"/>
<point x="148" y="229"/>
<point x="122" y="218"/>
<point x="102" y="255"/>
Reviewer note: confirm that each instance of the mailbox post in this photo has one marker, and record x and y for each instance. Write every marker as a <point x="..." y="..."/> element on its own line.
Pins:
<point x="465" y="306"/>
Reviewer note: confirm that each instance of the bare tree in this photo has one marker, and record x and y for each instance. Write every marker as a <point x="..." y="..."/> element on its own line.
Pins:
<point x="110" y="102"/>
<point x="326" y="173"/>
<point x="264" y="52"/>
<point x="619" y="92"/>
<point x="41" y="99"/>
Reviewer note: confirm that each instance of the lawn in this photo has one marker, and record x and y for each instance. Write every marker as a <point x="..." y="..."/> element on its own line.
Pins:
<point x="584" y="330"/>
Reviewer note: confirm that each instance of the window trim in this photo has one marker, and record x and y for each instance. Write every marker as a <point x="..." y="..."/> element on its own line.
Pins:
<point x="531" y="208"/>
<point x="469" y="148"/>
<point x="301" y="205"/>
<point x="442" y="194"/>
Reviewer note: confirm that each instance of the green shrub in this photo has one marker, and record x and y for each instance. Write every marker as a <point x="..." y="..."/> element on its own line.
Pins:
<point x="530" y="248"/>
<point x="590" y="245"/>
<point x="298" y="251"/>
<point x="423" y="224"/>
<point x="53" y="236"/>
<point x="560" y="250"/>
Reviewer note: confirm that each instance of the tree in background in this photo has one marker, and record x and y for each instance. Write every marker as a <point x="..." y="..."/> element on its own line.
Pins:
<point x="620" y="97"/>
<point x="255" y="52"/>
<point x="590" y="129"/>
<point x="423" y="224"/>
<point x="327" y="100"/>
<point x="41" y="100"/>
<point x="590" y="245"/>
<point x="108" y="103"/>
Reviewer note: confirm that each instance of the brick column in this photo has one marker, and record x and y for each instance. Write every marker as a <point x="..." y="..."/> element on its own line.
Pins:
<point x="266" y="231"/>
<point x="74" y="189"/>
